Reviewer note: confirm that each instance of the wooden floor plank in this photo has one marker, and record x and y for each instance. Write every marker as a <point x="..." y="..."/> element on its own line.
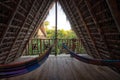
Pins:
<point x="67" y="68"/>
<point x="80" y="68"/>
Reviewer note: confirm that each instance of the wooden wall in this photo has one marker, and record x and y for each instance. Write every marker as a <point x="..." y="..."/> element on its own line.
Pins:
<point x="96" y="23"/>
<point x="19" y="19"/>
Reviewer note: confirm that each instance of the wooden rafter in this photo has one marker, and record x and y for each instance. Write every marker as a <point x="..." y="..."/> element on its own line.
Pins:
<point x="19" y="32"/>
<point x="80" y="29"/>
<point x="29" y="29"/>
<point x="88" y="49"/>
<point x="35" y="28"/>
<point x="97" y="25"/>
<point x="10" y="22"/>
<point x="87" y="29"/>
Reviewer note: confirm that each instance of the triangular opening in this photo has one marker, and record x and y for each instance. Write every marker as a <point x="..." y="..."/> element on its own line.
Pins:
<point x="46" y="34"/>
<point x="63" y="25"/>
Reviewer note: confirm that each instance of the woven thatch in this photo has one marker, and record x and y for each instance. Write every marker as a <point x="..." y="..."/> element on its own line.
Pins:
<point x="96" y="22"/>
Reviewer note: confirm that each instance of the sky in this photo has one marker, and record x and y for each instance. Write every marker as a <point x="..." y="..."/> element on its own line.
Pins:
<point x="63" y="23"/>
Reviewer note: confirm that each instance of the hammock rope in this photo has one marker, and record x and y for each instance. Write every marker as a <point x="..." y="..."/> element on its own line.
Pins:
<point x="101" y="62"/>
<point x="15" y="69"/>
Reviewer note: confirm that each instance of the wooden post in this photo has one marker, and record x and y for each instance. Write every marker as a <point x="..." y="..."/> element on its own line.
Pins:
<point x="32" y="46"/>
<point x="37" y="46"/>
<point x="49" y="42"/>
<point x="40" y="46"/>
<point x="29" y="47"/>
<point x="56" y="27"/>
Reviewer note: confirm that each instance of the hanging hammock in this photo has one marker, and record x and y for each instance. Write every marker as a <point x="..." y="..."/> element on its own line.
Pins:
<point x="15" y="69"/>
<point x="102" y="62"/>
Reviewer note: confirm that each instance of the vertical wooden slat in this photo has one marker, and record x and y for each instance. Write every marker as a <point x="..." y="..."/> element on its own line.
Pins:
<point x="43" y="45"/>
<point x="37" y="46"/>
<point x="29" y="47"/>
<point x="49" y="42"/>
<point x="40" y="46"/>
<point x="32" y="44"/>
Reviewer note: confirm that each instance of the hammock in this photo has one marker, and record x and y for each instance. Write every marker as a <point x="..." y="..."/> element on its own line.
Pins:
<point x="15" y="69"/>
<point x="102" y="62"/>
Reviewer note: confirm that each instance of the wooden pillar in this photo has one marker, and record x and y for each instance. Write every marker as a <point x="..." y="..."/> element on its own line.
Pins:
<point x="40" y="46"/>
<point x="56" y="27"/>
<point x="29" y="48"/>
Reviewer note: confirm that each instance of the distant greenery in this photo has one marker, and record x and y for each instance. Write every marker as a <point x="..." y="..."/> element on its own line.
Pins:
<point x="61" y="34"/>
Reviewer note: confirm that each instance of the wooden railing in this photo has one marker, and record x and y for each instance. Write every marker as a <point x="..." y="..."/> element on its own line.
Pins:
<point x="38" y="46"/>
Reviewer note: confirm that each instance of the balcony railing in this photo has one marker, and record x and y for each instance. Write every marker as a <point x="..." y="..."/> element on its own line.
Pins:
<point x="38" y="46"/>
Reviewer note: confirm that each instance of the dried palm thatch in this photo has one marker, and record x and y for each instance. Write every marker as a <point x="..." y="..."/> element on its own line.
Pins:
<point x="96" y="23"/>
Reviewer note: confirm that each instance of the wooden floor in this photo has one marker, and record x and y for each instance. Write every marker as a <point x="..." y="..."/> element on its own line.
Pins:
<point x="67" y="68"/>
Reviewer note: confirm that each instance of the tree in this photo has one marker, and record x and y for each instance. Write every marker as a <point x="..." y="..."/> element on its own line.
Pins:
<point x="46" y="23"/>
<point x="62" y="34"/>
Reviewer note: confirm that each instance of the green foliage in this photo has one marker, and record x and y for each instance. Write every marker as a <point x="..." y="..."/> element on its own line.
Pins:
<point x="46" y="23"/>
<point x="62" y="34"/>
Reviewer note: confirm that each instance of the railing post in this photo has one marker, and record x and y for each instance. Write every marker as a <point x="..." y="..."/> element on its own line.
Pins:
<point x="36" y="46"/>
<point x="40" y="46"/>
<point x="37" y="52"/>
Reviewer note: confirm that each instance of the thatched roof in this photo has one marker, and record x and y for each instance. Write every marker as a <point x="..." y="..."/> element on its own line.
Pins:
<point x="96" y="23"/>
<point x="41" y="33"/>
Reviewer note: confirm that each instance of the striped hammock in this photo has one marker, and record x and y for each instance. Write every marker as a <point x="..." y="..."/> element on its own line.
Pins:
<point x="102" y="62"/>
<point x="15" y="69"/>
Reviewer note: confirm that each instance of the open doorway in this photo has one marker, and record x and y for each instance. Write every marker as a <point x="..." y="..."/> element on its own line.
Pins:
<point x="46" y="34"/>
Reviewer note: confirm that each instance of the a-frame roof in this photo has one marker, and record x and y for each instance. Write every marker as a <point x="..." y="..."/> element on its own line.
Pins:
<point x="96" y="23"/>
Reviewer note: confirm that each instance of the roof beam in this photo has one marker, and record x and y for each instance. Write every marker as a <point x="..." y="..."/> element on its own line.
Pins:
<point x="28" y="31"/>
<point x="87" y="49"/>
<point x="94" y="17"/>
<point x="40" y="21"/>
<point x="87" y="29"/>
<point x="10" y="22"/>
<point x="19" y="31"/>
